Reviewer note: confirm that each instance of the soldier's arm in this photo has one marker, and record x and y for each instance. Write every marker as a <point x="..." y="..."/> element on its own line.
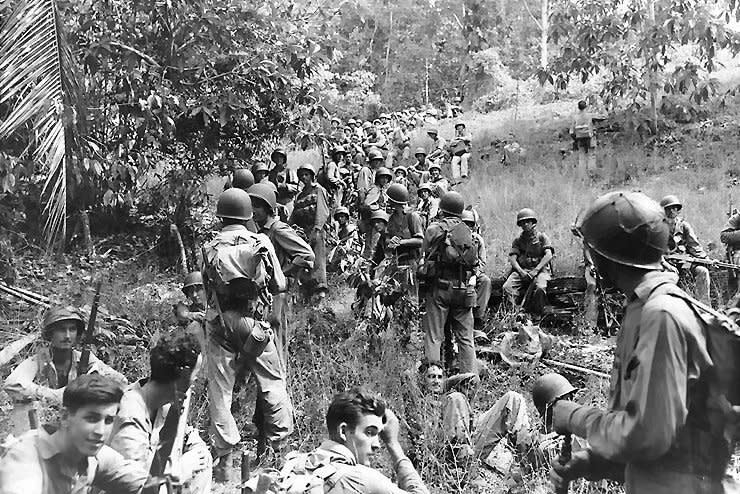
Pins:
<point x="693" y="246"/>
<point x="298" y="251"/>
<point x="322" y="209"/>
<point x="19" y="383"/>
<point x="545" y="260"/>
<point x="131" y="440"/>
<point x="656" y="407"/>
<point x="416" y="231"/>
<point x="116" y="474"/>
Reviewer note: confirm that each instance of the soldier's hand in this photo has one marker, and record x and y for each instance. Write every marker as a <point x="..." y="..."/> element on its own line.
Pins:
<point x="578" y="466"/>
<point x="394" y="243"/>
<point x="391" y="429"/>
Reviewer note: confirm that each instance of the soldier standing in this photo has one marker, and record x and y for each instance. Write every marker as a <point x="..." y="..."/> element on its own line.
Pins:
<point x="483" y="281"/>
<point x="285" y="180"/>
<point x="460" y="151"/>
<point x="530" y="256"/>
<point x="428" y="205"/>
<point x="450" y="261"/>
<point x="662" y="431"/>
<point x="683" y="240"/>
<point x="439" y="183"/>
<point x="311" y="212"/>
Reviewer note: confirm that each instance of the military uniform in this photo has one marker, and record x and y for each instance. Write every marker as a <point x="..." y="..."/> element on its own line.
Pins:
<point x="529" y="250"/>
<point x="310" y="212"/>
<point x="483" y="281"/>
<point x="375" y="199"/>
<point x="730" y="236"/>
<point x="684" y="240"/>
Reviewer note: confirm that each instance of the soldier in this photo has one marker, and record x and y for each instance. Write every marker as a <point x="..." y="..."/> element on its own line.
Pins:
<point x="74" y="457"/>
<point x="285" y="180"/>
<point x="375" y="199"/>
<point x="449" y="268"/>
<point x="460" y="151"/>
<point x="428" y="205"/>
<point x="346" y="230"/>
<point x="45" y="375"/>
<point x="193" y="316"/>
<point x="294" y="254"/>
<point x="348" y="244"/>
<point x="242" y="178"/>
<point x="146" y="404"/>
<point x="439" y="183"/>
<point x="439" y="147"/>
<point x="483" y="281"/>
<point x="662" y="431"/>
<point x="401" y="141"/>
<point x="310" y="212"/>
<point x="530" y="256"/>
<point x="330" y="178"/>
<point x="582" y="133"/>
<point x="375" y="139"/>
<point x="683" y="241"/>
<point x="400" y="174"/>
<point x="260" y="172"/>
<point x="730" y="236"/>
<point x="418" y="171"/>
<point x="241" y="272"/>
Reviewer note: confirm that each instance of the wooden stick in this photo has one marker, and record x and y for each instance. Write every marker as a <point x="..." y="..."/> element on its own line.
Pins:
<point x="26" y="298"/>
<point x="576" y="368"/>
<point x="31" y="294"/>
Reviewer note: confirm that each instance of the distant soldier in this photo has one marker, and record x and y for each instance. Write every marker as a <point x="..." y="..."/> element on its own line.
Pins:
<point x="730" y="236"/>
<point x="683" y="240"/>
<point x="193" y="315"/>
<point x="400" y="174"/>
<point x="439" y="147"/>
<point x="439" y="183"/>
<point x="663" y="431"/>
<point x="530" y="257"/>
<point x="348" y="245"/>
<point x="582" y="133"/>
<point x="294" y="254"/>
<point x="376" y="199"/>
<point x="483" y="281"/>
<point x="418" y="172"/>
<point x="285" y="180"/>
<point x="329" y="176"/>
<point x="375" y="139"/>
<point x="401" y="141"/>
<point x="261" y="172"/>
<point x="311" y="212"/>
<point x="428" y="205"/>
<point x="460" y="151"/>
<point x="44" y="376"/>
<point x="450" y="262"/>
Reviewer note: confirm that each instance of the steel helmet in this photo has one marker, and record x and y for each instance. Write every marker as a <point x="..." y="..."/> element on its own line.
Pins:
<point x="375" y="154"/>
<point x="458" y="124"/>
<point x="628" y="228"/>
<point x="468" y="216"/>
<point x="59" y="314"/>
<point x="235" y="204"/>
<point x="263" y="192"/>
<point x="366" y="125"/>
<point x="377" y="121"/>
<point x="279" y="151"/>
<point x="525" y="214"/>
<point x="452" y="203"/>
<point x="420" y="151"/>
<point x="260" y="168"/>
<point x="192" y="279"/>
<point x="341" y="210"/>
<point x="351" y="121"/>
<point x="243" y="179"/>
<point x="669" y="201"/>
<point x="306" y="167"/>
<point x="433" y="131"/>
<point x="398" y="194"/>
<point x="383" y="171"/>
<point x="424" y="186"/>
<point x="384" y="115"/>
<point x="434" y="166"/>
<point x="401" y="169"/>
<point x="379" y="214"/>
<point x="338" y="150"/>
<point x="335" y="119"/>
<point x="548" y="388"/>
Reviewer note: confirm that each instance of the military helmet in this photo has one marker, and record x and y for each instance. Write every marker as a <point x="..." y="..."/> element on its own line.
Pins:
<point x="548" y="388"/>
<point x="59" y="314"/>
<point x="435" y="166"/>
<point x="424" y="186"/>
<point x="306" y="167"/>
<point x="263" y="192"/>
<point x="335" y="119"/>
<point x="398" y="193"/>
<point x="458" y="124"/>
<point x="670" y="201"/>
<point x="525" y="214"/>
<point x="366" y="125"/>
<point x="384" y="115"/>
<point x="375" y="154"/>
<point x="452" y="203"/>
<point x="401" y="169"/>
<point x="628" y="228"/>
<point x="433" y="131"/>
<point x="341" y="210"/>
<point x="280" y="152"/>
<point x="235" y="204"/>
<point x="420" y="150"/>
<point x="351" y="121"/>
<point x="468" y="216"/>
<point x="383" y="172"/>
<point x="193" y="278"/>
<point x="379" y="215"/>
<point x="339" y="149"/>
<point x="260" y="167"/>
<point x="243" y="179"/>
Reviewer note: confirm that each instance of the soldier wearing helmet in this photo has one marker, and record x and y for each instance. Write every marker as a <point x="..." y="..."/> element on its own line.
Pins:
<point x="530" y="257"/>
<point x="400" y="176"/>
<point x="683" y="240"/>
<point x="348" y="245"/>
<point x="375" y="138"/>
<point x="193" y="315"/>
<point x="438" y="147"/>
<point x="375" y="199"/>
<point x="311" y="212"/>
<point x="400" y="140"/>
<point x="294" y="254"/>
<point x="459" y="149"/>
<point x="403" y="235"/>
<point x="428" y="205"/>
<point x="242" y="178"/>
<point x="40" y="380"/>
<point x="660" y="431"/>
<point x="285" y="180"/>
<point x="449" y="274"/>
<point x="439" y="183"/>
<point x="235" y="306"/>
<point x="418" y="171"/>
<point x="260" y="172"/>
<point x="483" y="281"/>
<point x="330" y="177"/>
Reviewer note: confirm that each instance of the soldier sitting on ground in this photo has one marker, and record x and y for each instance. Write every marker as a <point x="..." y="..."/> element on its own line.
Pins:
<point x="44" y="376"/>
<point x="530" y="256"/>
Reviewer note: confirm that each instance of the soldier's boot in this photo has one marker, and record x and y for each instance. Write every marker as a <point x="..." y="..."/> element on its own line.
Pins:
<point x="223" y="469"/>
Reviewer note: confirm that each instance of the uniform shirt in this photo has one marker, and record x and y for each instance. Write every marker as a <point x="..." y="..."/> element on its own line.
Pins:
<point x="683" y="239"/>
<point x="361" y="479"/>
<point x="405" y="225"/>
<point x="660" y="358"/>
<point x="530" y="249"/>
<point x="462" y="140"/>
<point x="34" y="465"/>
<point x="377" y="141"/>
<point x="311" y="207"/>
<point x="365" y="181"/>
<point x="36" y="377"/>
<point x="438" y="149"/>
<point x="482" y="255"/>
<point x="441" y="186"/>
<point x="289" y="247"/>
<point x="582" y="124"/>
<point x="286" y="183"/>
<point x="376" y="197"/>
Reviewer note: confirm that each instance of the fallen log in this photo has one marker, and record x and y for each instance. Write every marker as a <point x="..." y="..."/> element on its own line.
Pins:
<point x="24" y="296"/>
<point x="31" y="294"/>
<point x="576" y="368"/>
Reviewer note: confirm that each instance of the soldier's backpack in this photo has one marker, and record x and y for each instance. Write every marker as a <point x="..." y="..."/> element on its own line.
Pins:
<point x="457" y="246"/>
<point x="723" y="344"/>
<point x="303" y="473"/>
<point x="236" y="266"/>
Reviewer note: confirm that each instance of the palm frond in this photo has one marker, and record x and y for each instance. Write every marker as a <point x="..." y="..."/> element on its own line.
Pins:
<point x="38" y="78"/>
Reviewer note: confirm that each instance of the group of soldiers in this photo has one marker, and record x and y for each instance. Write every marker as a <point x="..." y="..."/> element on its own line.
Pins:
<point x="660" y="432"/>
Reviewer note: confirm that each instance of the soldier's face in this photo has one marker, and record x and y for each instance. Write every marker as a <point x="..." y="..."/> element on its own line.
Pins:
<point x="260" y="214"/>
<point x="305" y="177"/>
<point x="342" y="219"/>
<point x="89" y="427"/>
<point x="423" y="194"/>
<point x="434" y="173"/>
<point x="672" y="212"/>
<point x="279" y="160"/>
<point x="433" y="379"/>
<point x="421" y="158"/>
<point x="63" y="335"/>
<point x="528" y="225"/>
<point x="197" y="295"/>
<point x="364" y="439"/>
<point x="382" y="181"/>
<point x="379" y="226"/>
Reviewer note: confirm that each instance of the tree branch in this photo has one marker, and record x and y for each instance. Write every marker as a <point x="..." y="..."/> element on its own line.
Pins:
<point x="138" y="53"/>
<point x="532" y="15"/>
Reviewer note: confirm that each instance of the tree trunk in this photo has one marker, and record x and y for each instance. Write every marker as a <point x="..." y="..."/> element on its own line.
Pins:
<point x="183" y="256"/>
<point x="545" y="28"/>
<point x="388" y="49"/>
<point x="426" y="82"/>
<point x="652" y="85"/>
<point x="86" y="237"/>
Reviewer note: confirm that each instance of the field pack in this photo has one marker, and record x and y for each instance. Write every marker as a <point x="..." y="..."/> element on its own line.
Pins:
<point x="457" y="246"/>
<point x="303" y="473"/>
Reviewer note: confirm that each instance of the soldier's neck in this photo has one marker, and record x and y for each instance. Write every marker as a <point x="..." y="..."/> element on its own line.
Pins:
<point x="60" y="356"/>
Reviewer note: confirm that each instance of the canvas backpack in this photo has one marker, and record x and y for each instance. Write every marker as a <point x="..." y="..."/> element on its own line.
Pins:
<point x="303" y="473"/>
<point x="457" y="246"/>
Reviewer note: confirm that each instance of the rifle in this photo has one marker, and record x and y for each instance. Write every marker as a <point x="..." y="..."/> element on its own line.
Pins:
<point x="166" y="466"/>
<point x="702" y="261"/>
<point x="87" y="338"/>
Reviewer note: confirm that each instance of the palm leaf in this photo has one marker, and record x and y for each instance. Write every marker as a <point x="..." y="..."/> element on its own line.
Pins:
<point x="38" y="78"/>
